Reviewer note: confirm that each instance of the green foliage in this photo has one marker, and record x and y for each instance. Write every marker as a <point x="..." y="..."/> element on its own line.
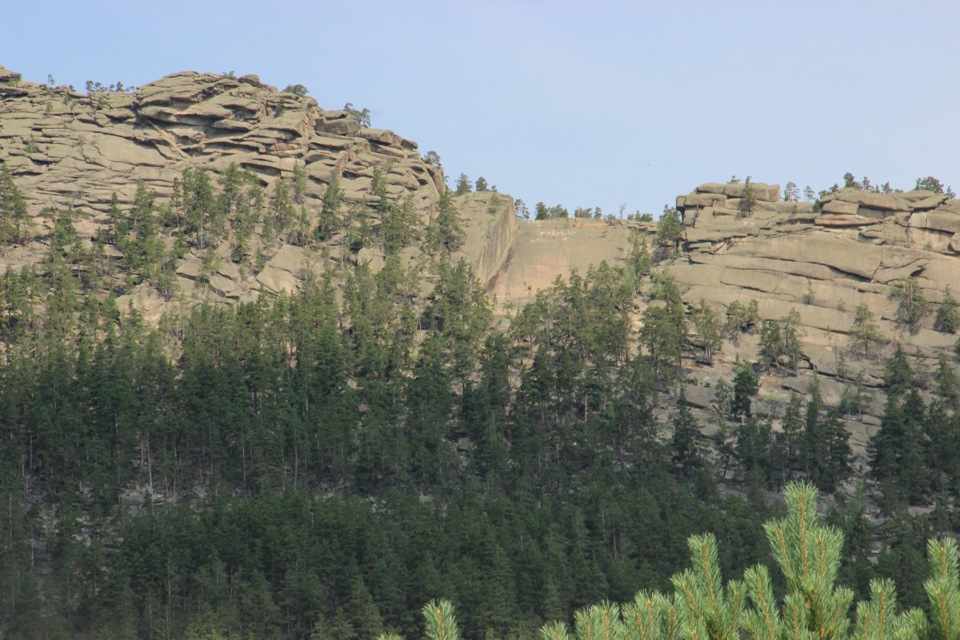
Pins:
<point x="707" y="608"/>
<point x="687" y="443"/>
<point x="741" y="318"/>
<point x="791" y="192"/>
<point x="463" y="185"/>
<point x="278" y="477"/>
<point x="707" y="324"/>
<point x="745" y="388"/>
<point x="864" y="333"/>
<point x="281" y="212"/>
<point x="669" y="231"/>
<point x="780" y="342"/>
<point x="296" y="89"/>
<point x="814" y="607"/>
<point x="664" y="334"/>
<point x="639" y="260"/>
<point x="932" y="184"/>
<point x="521" y="208"/>
<point x="441" y="624"/>
<point x="898" y="374"/>
<point x="329" y="220"/>
<point x="543" y="212"/>
<point x="482" y="184"/>
<point x="445" y="231"/>
<point x="651" y="616"/>
<point x="360" y="115"/>
<point x="824" y="449"/>
<point x="808" y="554"/>
<point x="748" y="201"/>
<point x="943" y="589"/>
<point x="912" y="306"/>
<point x="947" y="319"/>
<point x="16" y="225"/>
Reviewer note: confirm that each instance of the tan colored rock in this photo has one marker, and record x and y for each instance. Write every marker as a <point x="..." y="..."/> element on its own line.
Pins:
<point x="548" y="249"/>
<point x="941" y="220"/>
<point x="931" y="202"/>
<point x="874" y="199"/>
<point x="289" y="258"/>
<point x="345" y="126"/>
<point x="860" y="260"/>
<point x="761" y="192"/>
<point x="837" y="221"/>
<point x="703" y="200"/>
<point x="916" y="195"/>
<point x="9" y="77"/>
<point x="711" y="187"/>
<point x="841" y="207"/>
<point x="277" y="281"/>
<point x="955" y="243"/>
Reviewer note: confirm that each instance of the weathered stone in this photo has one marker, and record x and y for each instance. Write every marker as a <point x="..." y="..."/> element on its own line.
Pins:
<point x="341" y="127"/>
<point x="874" y="199"/>
<point x="711" y="187"/>
<point x="955" y="243"/>
<point x="860" y="260"/>
<point x="712" y="212"/>
<point x="946" y="221"/>
<point x="840" y="206"/>
<point x="381" y="136"/>
<point x="9" y="77"/>
<point x="277" y="281"/>
<point x="761" y="192"/>
<point x="289" y="258"/>
<point x="931" y="202"/>
<point x="704" y="200"/>
<point x="836" y="220"/>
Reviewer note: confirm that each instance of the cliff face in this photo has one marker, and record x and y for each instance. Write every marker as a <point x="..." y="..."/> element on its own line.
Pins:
<point x="819" y="261"/>
<point x="71" y="151"/>
<point x="822" y="260"/>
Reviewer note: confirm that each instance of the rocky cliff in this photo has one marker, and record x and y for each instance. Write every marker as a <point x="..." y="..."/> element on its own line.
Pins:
<point x="68" y="150"/>
<point x="820" y="260"/>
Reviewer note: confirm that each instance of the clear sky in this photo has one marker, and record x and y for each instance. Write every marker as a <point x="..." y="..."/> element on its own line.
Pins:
<point x="589" y="103"/>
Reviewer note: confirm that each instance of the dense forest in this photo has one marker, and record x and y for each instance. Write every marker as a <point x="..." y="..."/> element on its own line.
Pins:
<point x="319" y="465"/>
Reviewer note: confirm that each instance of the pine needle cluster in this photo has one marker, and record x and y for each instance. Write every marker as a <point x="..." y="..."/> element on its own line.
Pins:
<point x="815" y="607"/>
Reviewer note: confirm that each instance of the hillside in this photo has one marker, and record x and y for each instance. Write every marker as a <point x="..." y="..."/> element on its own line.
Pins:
<point x="265" y="375"/>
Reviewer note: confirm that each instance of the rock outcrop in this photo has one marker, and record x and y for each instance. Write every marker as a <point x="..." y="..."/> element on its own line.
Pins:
<point x="741" y="242"/>
<point x="821" y="260"/>
<point x="68" y="150"/>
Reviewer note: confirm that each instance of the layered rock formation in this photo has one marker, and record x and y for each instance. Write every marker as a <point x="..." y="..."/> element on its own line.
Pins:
<point x="74" y="151"/>
<point x="821" y="260"/>
<point x="741" y="242"/>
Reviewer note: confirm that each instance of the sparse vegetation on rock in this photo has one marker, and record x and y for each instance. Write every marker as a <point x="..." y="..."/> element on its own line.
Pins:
<point x="230" y="315"/>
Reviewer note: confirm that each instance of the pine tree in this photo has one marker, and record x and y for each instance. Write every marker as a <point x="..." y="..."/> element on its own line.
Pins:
<point x="440" y="622"/>
<point x="707" y="323"/>
<point x="708" y="609"/>
<point x="912" y="306"/>
<point x="445" y="231"/>
<point x="15" y="221"/>
<point x="808" y="554"/>
<point x="329" y="221"/>
<point x="864" y="333"/>
<point x="746" y="384"/>
<point x="463" y="185"/>
<point x="947" y="319"/>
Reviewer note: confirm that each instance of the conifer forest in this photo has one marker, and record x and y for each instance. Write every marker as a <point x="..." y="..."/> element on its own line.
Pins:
<point x="321" y="465"/>
<point x="383" y="451"/>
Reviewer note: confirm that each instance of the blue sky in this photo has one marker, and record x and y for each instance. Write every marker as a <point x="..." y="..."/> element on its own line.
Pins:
<point x="596" y="103"/>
